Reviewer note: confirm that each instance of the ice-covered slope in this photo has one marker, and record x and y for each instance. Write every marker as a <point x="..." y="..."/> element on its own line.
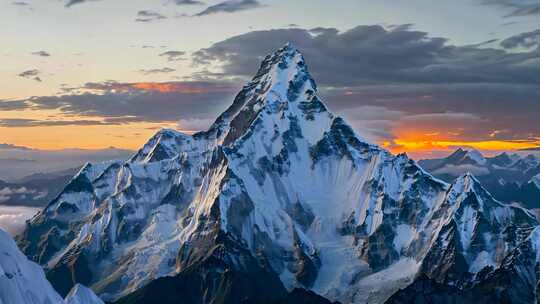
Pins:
<point x="24" y="282"/>
<point x="278" y="194"/>
<point x="82" y="295"/>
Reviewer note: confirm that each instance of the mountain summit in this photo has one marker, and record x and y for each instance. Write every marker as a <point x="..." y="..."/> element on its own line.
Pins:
<point x="278" y="201"/>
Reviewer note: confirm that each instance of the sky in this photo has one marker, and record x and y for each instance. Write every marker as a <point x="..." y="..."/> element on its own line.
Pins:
<point x="422" y="77"/>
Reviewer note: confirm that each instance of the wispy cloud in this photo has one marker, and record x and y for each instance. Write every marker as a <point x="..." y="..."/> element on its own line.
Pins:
<point x="31" y="74"/>
<point x="41" y="54"/>
<point x="12" y="146"/>
<point x="20" y="3"/>
<point x="188" y="2"/>
<point x="13" y="219"/>
<point x="165" y="70"/>
<point x="516" y="8"/>
<point x="230" y="6"/>
<point x="70" y="3"/>
<point x="525" y="40"/>
<point x="25" y="123"/>
<point x="149" y="16"/>
<point x="173" y="55"/>
<point x="117" y="103"/>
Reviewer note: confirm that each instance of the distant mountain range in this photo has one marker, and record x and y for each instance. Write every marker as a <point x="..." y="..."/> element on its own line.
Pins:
<point x="508" y="177"/>
<point x="18" y="162"/>
<point x="35" y="190"/>
<point x="280" y="201"/>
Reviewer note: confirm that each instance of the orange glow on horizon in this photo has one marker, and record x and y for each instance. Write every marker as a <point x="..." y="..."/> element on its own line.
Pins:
<point x="420" y="147"/>
<point x="167" y="87"/>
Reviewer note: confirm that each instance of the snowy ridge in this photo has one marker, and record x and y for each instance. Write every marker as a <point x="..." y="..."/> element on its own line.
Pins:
<point x="82" y="295"/>
<point x="478" y="228"/>
<point x="536" y="180"/>
<point x="476" y="156"/>
<point x="278" y="185"/>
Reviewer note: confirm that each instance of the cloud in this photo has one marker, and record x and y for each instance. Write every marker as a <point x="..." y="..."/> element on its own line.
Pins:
<point x="41" y="54"/>
<point x="12" y="146"/>
<point x="13" y="219"/>
<point x="373" y="54"/>
<point x="389" y="82"/>
<point x="516" y="8"/>
<point x="188" y="2"/>
<point x="31" y="74"/>
<point x="12" y="105"/>
<point x="157" y="71"/>
<point x="173" y="55"/>
<point x="24" y="123"/>
<point x="20" y="3"/>
<point x="230" y="6"/>
<point x="524" y="40"/>
<point x="70" y="3"/>
<point x="11" y="191"/>
<point x="118" y="103"/>
<point x="149" y="16"/>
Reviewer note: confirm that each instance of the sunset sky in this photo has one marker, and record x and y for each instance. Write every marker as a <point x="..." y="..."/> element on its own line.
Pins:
<point x="415" y="76"/>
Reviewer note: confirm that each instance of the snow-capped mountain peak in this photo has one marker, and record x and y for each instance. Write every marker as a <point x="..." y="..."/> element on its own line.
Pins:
<point x="282" y="86"/>
<point x="278" y="194"/>
<point x="476" y="156"/>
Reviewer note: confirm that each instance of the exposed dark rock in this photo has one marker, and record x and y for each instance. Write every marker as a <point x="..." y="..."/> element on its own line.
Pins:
<point x="72" y="269"/>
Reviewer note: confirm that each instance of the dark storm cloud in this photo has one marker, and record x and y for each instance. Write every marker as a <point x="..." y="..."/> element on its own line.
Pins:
<point x="173" y="55"/>
<point x="41" y="54"/>
<point x="373" y="54"/>
<point x="516" y="8"/>
<point x="406" y="73"/>
<point x="157" y="71"/>
<point x="149" y="16"/>
<point x="525" y="40"/>
<point x="230" y="6"/>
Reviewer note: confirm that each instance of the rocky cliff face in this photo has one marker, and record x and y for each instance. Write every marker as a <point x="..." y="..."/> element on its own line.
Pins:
<point x="279" y="200"/>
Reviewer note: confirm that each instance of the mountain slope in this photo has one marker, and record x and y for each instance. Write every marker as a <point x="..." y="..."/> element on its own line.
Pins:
<point x="24" y="282"/>
<point x="278" y="200"/>
<point x="82" y="295"/>
<point x="515" y="281"/>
